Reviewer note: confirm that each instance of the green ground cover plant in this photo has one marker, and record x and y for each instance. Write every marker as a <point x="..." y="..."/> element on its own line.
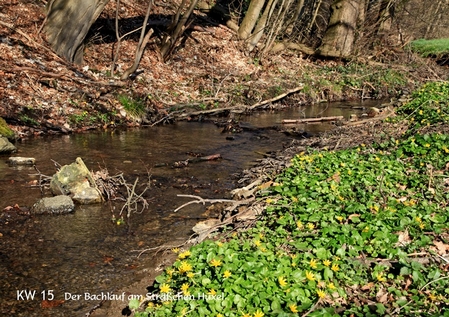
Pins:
<point x="430" y="47"/>
<point x="356" y="232"/>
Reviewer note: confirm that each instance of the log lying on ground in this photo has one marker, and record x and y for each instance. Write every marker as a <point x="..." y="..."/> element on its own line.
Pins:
<point x="311" y="120"/>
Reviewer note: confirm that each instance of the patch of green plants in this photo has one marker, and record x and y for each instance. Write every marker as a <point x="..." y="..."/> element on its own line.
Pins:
<point x="344" y="233"/>
<point x="428" y="106"/>
<point x="433" y="47"/>
<point x="78" y="118"/>
<point x="28" y="120"/>
<point x="135" y="107"/>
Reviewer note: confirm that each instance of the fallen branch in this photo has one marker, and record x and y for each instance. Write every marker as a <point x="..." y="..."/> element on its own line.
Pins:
<point x="279" y="97"/>
<point x="179" y="164"/>
<point x="310" y="120"/>
<point x="203" y="201"/>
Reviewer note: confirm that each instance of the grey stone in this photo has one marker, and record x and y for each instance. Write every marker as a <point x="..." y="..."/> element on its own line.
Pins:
<point x="54" y="205"/>
<point x="75" y="179"/>
<point x="16" y="160"/>
<point x="6" y="146"/>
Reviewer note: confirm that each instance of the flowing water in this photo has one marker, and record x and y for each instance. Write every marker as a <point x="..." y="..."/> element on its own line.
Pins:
<point x="48" y="257"/>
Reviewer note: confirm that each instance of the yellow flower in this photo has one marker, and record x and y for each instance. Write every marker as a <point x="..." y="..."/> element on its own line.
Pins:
<point x="215" y="262"/>
<point x="219" y="315"/>
<point x="246" y="315"/>
<point x="212" y="292"/>
<point x="326" y="262"/>
<point x="339" y="218"/>
<point x="219" y="243"/>
<point x="335" y="267"/>
<point x="190" y="275"/>
<point x="258" y="313"/>
<point x="175" y="250"/>
<point x="311" y="226"/>
<point x="310" y="276"/>
<point x="185" y="267"/>
<point x="184" y="254"/>
<point x="432" y="297"/>
<point x="282" y="281"/>
<point x="269" y="200"/>
<point x="427" y="145"/>
<point x="380" y="277"/>
<point x="422" y="226"/>
<point x="313" y="264"/>
<point x="293" y="308"/>
<point x="299" y="224"/>
<point x="170" y="271"/>
<point x="321" y="294"/>
<point x="165" y="288"/>
<point x="257" y="243"/>
<point x="185" y="287"/>
<point x="331" y="286"/>
<point x="227" y="274"/>
<point x="366" y="229"/>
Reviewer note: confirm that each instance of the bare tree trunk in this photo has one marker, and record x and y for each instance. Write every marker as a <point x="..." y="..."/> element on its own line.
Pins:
<point x="178" y="27"/>
<point x="68" y="22"/>
<point x="250" y="19"/>
<point x="339" y="38"/>
<point x="260" y="27"/>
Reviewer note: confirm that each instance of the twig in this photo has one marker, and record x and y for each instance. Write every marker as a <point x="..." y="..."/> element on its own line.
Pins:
<point x="203" y="201"/>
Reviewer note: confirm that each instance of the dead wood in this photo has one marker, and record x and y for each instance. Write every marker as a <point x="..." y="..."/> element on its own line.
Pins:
<point x="310" y="120"/>
<point x="184" y="163"/>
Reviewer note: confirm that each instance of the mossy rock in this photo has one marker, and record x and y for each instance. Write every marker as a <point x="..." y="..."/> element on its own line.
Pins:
<point x="5" y="130"/>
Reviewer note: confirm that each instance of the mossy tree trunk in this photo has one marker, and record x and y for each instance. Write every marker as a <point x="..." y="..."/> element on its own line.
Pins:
<point x="68" y="22"/>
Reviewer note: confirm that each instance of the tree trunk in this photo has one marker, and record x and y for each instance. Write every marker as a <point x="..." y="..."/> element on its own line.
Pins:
<point x="250" y="19"/>
<point x="68" y="22"/>
<point x="339" y="38"/>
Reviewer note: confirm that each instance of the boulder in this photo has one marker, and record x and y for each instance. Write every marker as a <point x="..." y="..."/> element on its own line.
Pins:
<point x="6" y="146"/>
<point x="6" y="131"/>
<point x="53" y="205"/>
<point x="76" y="180"/>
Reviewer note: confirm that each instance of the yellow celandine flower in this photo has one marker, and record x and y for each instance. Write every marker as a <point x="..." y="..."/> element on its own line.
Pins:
<point x="282" y="281"/>
<point x="227" y="274"/>
<point x="219" y="315"/>
<point x="165" y="288"/>
<point x="333" y="187"/>
<point x="215" y="262"/>
<point x="311" y="226"/>
<point x="184" y="254"/>
<point x="366" y="229"/>
<point x="185" y="287"/>
<point x="269" y="200"/>
<point x="293" y="308"/>
<point x="246" y="315"/>
<point x="331" y="286"/>
<point x="170" y="271"/>
<point x="418" y="219"/>
<point x="320" y="293"/>
<point x="219" y="243"/>
<point x="257" y="243"/>
<point x="212" y="292"/>
<point x="185" y="267"/>
<point x="258" y="313"/>
<point x="422" y="226"/>
<point x="339" y="218"/>
<point x="432" y="297"/>
<point x="427" y="145"/>
<point x="380" y="277"/>
<point x="190" y="275"/>
<point x="175" y="250"/>
<point x="299" y="224"/>
<point x="183" y="311"/>
<point x="335" y="267"/>
<point x="313" y="264"/>
<point x="310" y="276"/>
<point x="150" y="304"/>
<point x="326" y="262"/>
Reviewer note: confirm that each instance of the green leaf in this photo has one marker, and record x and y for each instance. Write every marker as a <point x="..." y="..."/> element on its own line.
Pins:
<point x="134" y="304"/>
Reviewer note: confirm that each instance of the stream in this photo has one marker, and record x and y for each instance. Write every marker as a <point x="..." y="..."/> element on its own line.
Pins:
<point x="44" y="258"/>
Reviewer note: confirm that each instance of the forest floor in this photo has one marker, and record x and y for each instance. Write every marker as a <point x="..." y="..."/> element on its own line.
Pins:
<point x="40" y="93"/>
